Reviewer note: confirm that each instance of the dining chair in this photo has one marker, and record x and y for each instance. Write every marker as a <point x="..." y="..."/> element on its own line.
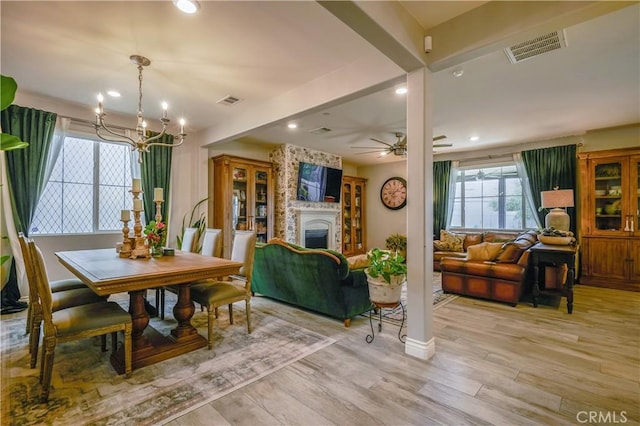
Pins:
<point x="64" y="294"/>
<point x="74" y="323"/>
<point x="215" y="293"/>
<point x="211" y="246"/>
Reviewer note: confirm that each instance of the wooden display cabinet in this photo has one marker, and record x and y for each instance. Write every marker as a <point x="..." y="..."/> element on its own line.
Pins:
<point x="610" y="212"/>
<point x="240" y="198"/>
<point x="353" y="216"/>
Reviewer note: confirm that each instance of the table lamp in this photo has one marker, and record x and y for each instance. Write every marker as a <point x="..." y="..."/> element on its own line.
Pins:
<point x="557" y="200"/>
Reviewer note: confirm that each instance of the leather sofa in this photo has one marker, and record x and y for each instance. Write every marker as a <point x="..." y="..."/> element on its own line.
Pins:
<point x="442" y="249"/>
<point x="316" y="279"/>
<point x="501" y="277"/>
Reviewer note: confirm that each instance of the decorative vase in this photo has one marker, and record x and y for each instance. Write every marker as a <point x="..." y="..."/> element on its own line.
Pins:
<point x="382" y="292"/>
<point x="156" y="251"/>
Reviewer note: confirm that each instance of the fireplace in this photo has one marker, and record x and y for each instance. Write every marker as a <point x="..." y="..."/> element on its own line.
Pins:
<point x="316" y="238"/>
<point x="317" y="228"/>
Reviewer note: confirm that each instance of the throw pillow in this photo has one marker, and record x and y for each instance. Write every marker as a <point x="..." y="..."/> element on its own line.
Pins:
<point x="509" y="253"/>
<point x="358" y="262"/>
<point x="484" y="251"/>
<point x="471" y="240"/>
<point x="452" y="242"/>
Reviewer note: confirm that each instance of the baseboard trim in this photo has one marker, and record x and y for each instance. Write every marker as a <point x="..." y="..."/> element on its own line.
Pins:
<point x="419" y="349"/>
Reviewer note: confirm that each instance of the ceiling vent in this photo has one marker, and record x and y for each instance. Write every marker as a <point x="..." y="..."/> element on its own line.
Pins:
<point x="536" y="46"/>
<point x="320" y="130"/>
<point x="229" y="100"/>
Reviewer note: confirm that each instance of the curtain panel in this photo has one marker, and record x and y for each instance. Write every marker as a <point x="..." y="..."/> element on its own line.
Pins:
<point x="548" y="168"/>
<point x="441" y="192"/>
<point x="26" y="178"/>
<point x="27" y="167"/>
<point x="155" y="172"/>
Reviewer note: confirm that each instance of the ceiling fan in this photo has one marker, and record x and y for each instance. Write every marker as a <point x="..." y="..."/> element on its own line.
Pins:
<point x="399" y="147"/>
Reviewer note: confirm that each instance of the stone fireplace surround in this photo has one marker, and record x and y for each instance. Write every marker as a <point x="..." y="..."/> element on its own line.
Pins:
<point x="286" y="159"/>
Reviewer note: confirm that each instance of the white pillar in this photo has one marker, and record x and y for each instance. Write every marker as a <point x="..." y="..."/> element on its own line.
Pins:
<point x="420" y="341"/>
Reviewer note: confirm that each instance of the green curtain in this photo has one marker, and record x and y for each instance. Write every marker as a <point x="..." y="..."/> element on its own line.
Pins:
<point x="26" y="167"/>
<point x="548" y="168"/>
<point x="155" y="172"/>
<point x="441" y="181"/>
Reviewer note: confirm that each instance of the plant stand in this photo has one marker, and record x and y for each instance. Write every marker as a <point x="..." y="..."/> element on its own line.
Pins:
<point x="379" y="307"/>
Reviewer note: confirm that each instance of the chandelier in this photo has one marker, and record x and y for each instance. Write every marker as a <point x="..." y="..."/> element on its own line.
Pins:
<point x="142" y="143"/>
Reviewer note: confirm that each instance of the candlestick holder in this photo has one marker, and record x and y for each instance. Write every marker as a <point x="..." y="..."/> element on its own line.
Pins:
<point x="158" y="211"/>
<point x="138" y="247"/>
<point x="125" y="250"/>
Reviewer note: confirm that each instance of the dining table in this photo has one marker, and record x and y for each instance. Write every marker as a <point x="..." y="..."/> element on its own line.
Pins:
<point x="106" y="273"/>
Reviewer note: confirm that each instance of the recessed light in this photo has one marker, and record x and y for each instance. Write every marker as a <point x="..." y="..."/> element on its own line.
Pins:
<point x="292" y="125"/>
<point x="187" y="6"/>
<point x="113" y="93"/>
<point x="401" y="91"/>
<point x="474" y="138"/>
<point x="458" y="73"/>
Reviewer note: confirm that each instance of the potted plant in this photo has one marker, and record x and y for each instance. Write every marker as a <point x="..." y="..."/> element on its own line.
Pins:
<point x="397" y="243"/>
<point x="385" y="275"/>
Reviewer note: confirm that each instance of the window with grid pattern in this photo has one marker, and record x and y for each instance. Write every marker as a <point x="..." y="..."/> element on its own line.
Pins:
<point x="87" y="189"/>
<point x="491" y="198"/>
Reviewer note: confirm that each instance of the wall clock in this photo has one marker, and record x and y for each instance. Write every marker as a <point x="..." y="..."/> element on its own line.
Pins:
<point x="393" y="193"/>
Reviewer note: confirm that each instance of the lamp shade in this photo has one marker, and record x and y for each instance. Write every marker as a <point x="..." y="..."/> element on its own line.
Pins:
<point x="556" y="200"/>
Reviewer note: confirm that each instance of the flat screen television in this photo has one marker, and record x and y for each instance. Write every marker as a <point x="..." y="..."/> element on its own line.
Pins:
<point x="319" y="183"/>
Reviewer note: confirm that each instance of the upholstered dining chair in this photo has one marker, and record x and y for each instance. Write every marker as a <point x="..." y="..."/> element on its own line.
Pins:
<point x="215" y="293"/>
<point x="64" y="294"/>
<point x="74" y="323"/>
<point x="211" y="246"/>
<point x="190" y="240"/>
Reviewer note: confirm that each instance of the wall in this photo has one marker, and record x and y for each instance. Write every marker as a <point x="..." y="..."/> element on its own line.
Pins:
<point x="286" y="159"/>
<point x="381" y="221"/>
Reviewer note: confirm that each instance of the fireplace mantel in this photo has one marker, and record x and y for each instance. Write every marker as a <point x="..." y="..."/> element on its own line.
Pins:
<point x="310" y="218"/>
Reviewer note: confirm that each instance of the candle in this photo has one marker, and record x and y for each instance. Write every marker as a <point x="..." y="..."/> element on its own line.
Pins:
<point x="136" y="185"/>
<point x="125" y="215"/>
<point x="182" y="126"/>
<point x="137" y="205"/>
<point x="157" y="194"/>
<point x="165" y="106"/>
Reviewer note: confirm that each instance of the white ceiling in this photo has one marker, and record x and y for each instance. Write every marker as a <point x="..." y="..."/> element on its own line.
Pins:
<point x="260" y="50"/>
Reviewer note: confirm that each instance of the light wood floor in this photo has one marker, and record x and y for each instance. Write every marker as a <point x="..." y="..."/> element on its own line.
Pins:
<point x="494" y="364"/>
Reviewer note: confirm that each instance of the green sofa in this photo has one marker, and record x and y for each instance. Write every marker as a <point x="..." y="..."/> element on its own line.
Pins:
<point x="314" y="279"/>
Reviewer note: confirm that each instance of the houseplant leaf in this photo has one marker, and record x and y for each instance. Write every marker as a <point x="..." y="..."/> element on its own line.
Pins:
<point x="9" y="142"/>
<point x="8" y="87"/>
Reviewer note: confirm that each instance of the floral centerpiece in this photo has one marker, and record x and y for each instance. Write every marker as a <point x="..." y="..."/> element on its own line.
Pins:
<point x="155" y="234"/>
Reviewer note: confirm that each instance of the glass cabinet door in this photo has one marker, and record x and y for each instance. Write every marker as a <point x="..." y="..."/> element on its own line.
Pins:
<point x="260" y="204"/>
<point x="357" y="216"/>
<point x="239" y="199"/>
<point x="634" y="213"/>
<point x="609" y="196"/>
<point x="347" y="215"/>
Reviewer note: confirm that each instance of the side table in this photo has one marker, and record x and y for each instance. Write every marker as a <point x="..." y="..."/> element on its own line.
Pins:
<point x="553" y="255"/>
<point x="377" y="306"/>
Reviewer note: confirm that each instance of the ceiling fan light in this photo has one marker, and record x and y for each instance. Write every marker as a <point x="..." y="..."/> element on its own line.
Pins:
<point x="187" y="6"/>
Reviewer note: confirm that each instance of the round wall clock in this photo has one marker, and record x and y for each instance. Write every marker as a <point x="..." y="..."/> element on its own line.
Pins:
<point x="393" y="193"/>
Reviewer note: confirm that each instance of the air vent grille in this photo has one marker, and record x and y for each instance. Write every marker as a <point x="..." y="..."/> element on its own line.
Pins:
<point x="320" y="130"/>
<point x="229" y="100"/>
<point x="537" y="46"/>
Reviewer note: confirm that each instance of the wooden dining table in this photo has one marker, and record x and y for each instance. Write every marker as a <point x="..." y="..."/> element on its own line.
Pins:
<point x="106" y="273"/>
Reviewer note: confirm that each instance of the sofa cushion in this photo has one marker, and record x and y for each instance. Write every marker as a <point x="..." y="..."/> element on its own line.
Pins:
<point x="470" y="240"/>
<point x="509" y="253"/>
<point x="503" y="271"/>
<point x="450" y="241"/>
<point x="484" y="251"/>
